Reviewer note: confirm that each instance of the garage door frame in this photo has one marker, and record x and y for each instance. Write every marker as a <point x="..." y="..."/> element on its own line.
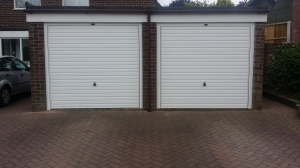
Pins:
<point x="251" y="55"/>
<point x="47" y="76"/>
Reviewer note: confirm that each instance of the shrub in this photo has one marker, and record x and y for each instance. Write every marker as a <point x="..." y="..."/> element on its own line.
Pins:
<point x="283" y="72"/>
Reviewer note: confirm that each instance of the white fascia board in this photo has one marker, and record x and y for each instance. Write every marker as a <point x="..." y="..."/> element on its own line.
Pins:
<point x="208" y="18"/>
<point x="14" y="34"/>
<point x="138" y="18"/>
<point x="81" y="18"/>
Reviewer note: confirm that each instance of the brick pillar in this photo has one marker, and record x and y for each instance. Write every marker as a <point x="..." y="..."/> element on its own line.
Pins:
<point x="153" y="66"/>
<point x="37" y="66"/>
<point x="258" y="65"/>
<point x="296" y="22"/>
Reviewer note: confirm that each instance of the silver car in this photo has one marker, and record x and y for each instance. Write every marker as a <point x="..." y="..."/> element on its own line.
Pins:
<point x="14" y="78"/>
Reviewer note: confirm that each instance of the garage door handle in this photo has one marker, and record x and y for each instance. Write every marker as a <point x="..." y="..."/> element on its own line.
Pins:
<point x="7" y="75"/>
<point x="94" y="84"/>
<point x="204" y="84"/>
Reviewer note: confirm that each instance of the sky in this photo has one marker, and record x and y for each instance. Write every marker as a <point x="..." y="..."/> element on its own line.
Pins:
<point x="166" y="2"/>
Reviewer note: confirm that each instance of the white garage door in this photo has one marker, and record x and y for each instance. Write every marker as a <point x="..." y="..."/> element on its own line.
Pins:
<point x="80" y="56"/>
<point x="204" y="66"/>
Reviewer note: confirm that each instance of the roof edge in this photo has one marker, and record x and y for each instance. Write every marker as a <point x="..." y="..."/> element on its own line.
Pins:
<point x="43" y="9"/>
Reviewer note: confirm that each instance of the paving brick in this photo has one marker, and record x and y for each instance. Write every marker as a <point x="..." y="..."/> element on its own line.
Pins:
<point x="225" y="139"/>
<point x="19" y="103"/>
<point x="257" y="162"/>
<point x="292" y="166"/>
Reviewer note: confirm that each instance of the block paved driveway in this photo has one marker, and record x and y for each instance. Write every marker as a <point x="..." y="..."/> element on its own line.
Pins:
<point x="246" y="138"/>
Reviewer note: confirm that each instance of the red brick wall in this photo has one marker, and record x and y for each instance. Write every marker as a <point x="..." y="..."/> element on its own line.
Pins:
<point x="37" y="66"/>
<point x="258" y="65"/>
<point x="51" y="2"/>
<point x="16" y="19"/>
<point x="122" y="2"/>
<point x="296" y="22"/>
<point x="106" y="2"/>
<point x="153" y="66"/>
<point x="11" y="19"/>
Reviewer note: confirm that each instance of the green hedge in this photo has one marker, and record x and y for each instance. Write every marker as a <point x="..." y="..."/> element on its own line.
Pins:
<point x="283" y="72"/>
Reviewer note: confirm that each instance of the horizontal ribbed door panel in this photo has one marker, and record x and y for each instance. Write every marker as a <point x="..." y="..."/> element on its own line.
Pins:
<point x="79" y="55"/>
<point x="192" y="55"/>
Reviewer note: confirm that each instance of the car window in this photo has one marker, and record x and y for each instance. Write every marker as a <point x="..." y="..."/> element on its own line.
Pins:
<point x="6" y="64"/>
<point x="19" y="66"/>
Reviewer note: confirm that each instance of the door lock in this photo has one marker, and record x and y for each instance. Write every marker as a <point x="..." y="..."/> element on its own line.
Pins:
<point x="204" y="84"/>
<point x="94" y="84"/>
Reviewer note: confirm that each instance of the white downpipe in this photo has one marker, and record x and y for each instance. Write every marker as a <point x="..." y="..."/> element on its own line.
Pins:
<point x="288" y="31"/>
<point x="1" y="47"/>
<point x="21" y="49"/>
<point x="10" y="47"/>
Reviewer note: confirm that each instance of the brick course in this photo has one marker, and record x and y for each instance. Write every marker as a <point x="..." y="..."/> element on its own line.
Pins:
<point x="258" y="65"/>
<point x="296" y="22"/>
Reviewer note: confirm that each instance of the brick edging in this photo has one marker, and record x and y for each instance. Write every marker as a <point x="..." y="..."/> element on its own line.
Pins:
<point x="281" y="99"/>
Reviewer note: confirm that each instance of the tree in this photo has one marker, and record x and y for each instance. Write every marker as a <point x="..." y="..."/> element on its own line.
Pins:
<point x="197" y="3"/>
<point x="242" y="3"/>
<point x="179" y="2"/>
<point x="224" y="3"/>
<point x="203" y="3"/>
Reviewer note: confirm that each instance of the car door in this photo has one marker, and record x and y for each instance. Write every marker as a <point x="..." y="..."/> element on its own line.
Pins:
<point x="7" y="74"/>
<point x="23" y="74"/>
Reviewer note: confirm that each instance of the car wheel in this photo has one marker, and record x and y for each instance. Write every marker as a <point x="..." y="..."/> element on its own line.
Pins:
<point x="4" y="96"/>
